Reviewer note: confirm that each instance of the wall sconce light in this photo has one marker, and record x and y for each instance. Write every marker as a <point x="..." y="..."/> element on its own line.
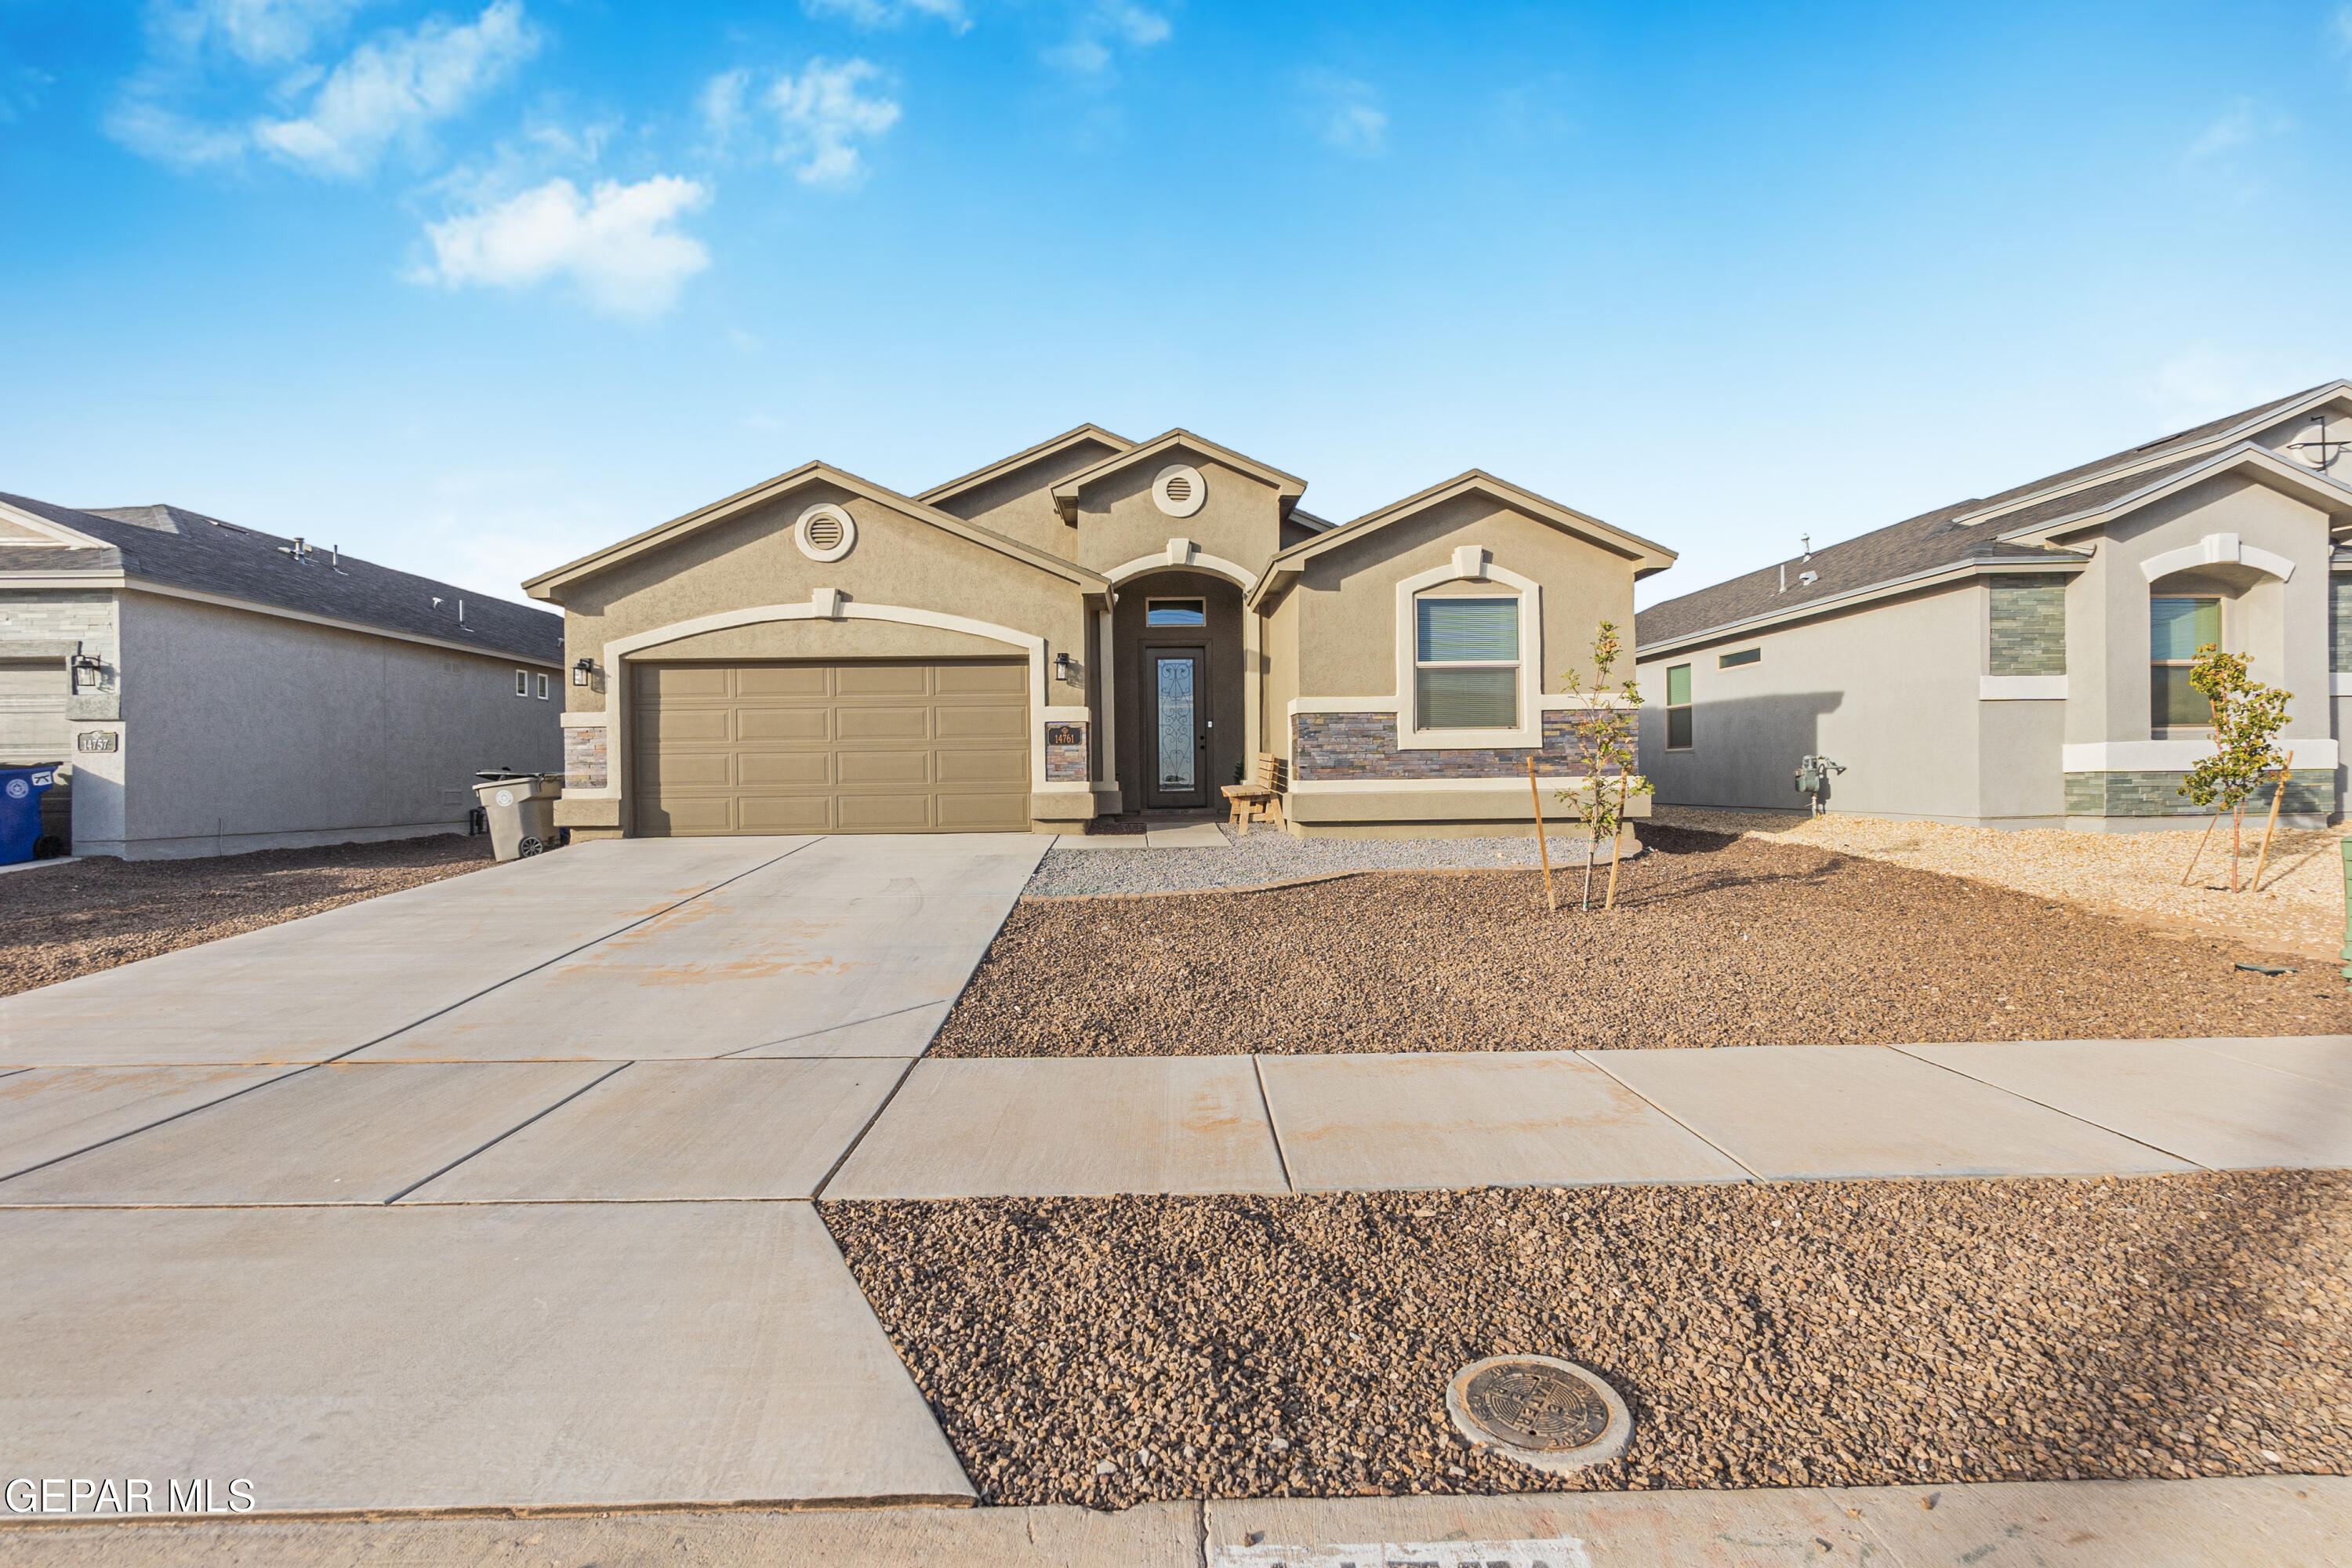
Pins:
<point x="582" y="670"/>
<point x="1063" y="669"/>
<point x="87" y="672"/>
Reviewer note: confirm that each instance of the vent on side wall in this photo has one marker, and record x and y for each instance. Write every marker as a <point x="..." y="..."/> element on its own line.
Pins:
<point x="825" y="533"/>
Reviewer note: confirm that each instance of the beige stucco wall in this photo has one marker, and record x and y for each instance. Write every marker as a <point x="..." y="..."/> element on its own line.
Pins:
<point x="1240" y="522"/>
<point x="1279" y="634"/>
<point x="751" y="560"/>
<point x="829" y="641"/>
<point x="1346" y="636"/>
<point x="1021" y="502"/>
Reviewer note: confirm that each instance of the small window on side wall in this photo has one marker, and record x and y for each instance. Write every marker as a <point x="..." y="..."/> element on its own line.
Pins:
<point x="540" y="687"/>
<point x="1467" y="664"/>
<point x="1678" y="708"/>
<point x="1745" y="655"/>
<point x="522" y="683"/>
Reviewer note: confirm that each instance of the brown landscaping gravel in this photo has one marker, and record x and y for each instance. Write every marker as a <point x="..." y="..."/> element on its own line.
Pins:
<point x="59" y="921"/>
<point x="1114" y="1351"/>
<point x="1718" y="941"/>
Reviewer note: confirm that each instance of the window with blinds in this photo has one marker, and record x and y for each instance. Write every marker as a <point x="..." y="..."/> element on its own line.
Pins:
<point x="1467" y="664"/>
<point x="2178" y="627"/>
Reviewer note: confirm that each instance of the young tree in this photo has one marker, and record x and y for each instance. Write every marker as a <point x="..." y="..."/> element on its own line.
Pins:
<point x="1604" y="732"/>
<point x="2247" y="715"/>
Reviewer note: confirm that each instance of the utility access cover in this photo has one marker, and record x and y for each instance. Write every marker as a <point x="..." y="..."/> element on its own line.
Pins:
<point x="1541" y="1411"/>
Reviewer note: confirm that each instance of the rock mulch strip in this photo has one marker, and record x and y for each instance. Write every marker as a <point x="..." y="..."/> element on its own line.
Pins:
<point x="1110" y="1351"/>
<point x="66" y="920"/>
<point x="1717" y="942"/>
<point x="1267" y="855"/>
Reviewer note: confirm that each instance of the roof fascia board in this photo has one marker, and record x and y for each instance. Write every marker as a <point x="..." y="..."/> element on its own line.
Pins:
<point x="222" y="601"/>
<point x="95" y="577"/>
<point x="1021" y="458"/>
<point x="2334" y="496"/>
<point x="544" y="586"/>
<point x="2236" y="434"/>
<point x="1928" y="577"/>
<point x="1476" y="480"/>
<point x="1289" y="486"/>
<point x="56" y="532"/>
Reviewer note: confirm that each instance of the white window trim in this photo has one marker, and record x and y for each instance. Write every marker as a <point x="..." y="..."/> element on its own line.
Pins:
<point x="522" y="683"/>
<point x="1471" y="564"/>
<point x="1665" y="680"/>
<point x="538" y="686"/>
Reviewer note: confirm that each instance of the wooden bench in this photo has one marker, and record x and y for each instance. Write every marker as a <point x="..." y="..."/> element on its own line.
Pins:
<point x="1260" y="800"/>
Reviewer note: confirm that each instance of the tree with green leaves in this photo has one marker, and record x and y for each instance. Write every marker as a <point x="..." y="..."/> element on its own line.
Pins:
<point x="1604" y="738"/>
<point x="2247" y="717"/>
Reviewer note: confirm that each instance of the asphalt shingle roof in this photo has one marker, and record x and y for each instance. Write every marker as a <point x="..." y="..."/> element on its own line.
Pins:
<point x="183" y="549"/>
<point x="1921" y="544"/>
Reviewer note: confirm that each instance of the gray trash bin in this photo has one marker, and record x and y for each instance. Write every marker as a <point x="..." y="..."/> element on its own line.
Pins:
<point x="521" y="809"/>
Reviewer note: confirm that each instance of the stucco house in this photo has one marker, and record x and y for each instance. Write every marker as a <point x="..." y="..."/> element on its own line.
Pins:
<point x="2021" y="661"/>
<point x="215" y="690"/>
<point x="1088" y="627"/>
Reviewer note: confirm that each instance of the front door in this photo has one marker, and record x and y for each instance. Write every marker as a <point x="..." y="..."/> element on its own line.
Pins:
<point x="1176" y="687"/>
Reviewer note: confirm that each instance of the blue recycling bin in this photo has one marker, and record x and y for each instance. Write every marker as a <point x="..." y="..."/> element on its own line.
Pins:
<point x="21" y="790"/>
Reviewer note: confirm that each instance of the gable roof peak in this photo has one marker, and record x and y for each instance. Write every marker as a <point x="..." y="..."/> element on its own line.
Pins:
<point x="1287" y="487"/>
<point x="1075" y="435"/>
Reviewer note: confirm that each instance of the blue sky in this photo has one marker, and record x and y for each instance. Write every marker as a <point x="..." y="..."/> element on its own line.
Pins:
<point x="473" y="287"/>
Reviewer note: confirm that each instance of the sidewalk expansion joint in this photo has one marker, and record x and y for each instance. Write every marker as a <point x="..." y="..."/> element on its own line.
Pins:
<point x="843" y="1159"/>
<point x="191" y="1110"/>
<point x="507" y="1134"/>
<point x="831" y="1028"/>
<point x="1594" y="1057"/>
<point x="2070" y="1115"/>
<point x="1273" y="1131"/>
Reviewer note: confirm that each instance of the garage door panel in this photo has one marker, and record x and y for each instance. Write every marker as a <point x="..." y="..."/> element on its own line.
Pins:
<point x="884" y="813"/>
<point x="983" y="724"/>
<point x="860" y="768"/>
<point x="687" y="726"/>
<point x="683" y="816"/>
<point x="983" y="767"/>
<point x="910" y="723"/>
<point x="882" y="679"/>
<point x="863" y="747"/>
<point x="1010" y="679"/>
<point x="784" y="770"/>
<point x="753" y="681"/>
<point x="786" y="814"/>
<point x="685" y="770"/>
<point x="797" y="724"/>
<point x="662" y="682"/>
<point x="1007" y="813"/>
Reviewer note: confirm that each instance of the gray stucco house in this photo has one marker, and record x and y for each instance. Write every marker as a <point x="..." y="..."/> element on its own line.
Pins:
<point x="2018" y="661"/>
<point x="215" y="690"/>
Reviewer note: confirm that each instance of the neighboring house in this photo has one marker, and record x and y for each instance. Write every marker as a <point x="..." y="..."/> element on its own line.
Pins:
<point x="212" y="689"/>
<point x="2022" y="661"/>
<point x="1088" y="627"/>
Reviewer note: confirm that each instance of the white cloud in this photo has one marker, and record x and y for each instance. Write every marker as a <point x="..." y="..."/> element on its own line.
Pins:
<point x="259" y="32"/>
<point x="812" y="122"/>
<point x="892" y="13"/>
<point x="2244" y="123"/>
<point x="617" y="244"/>
<point x="1100" y="26"/>
<point x="1346" y="114"/>
<point x="394" y="86"/>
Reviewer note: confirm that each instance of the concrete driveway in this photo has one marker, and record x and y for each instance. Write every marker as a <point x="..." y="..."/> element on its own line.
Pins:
<point x="492" y="1193"/>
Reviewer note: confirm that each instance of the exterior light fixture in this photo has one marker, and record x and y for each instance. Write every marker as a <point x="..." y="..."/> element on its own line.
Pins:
<point x="582" y="670"/>
<point x="87" y="672"/>
<point x="1062" y="668"/>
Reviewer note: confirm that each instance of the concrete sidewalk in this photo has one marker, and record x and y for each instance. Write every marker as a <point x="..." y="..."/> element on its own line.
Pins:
<point x="1081" y="1126"/>
<point x="2285" y="1522"/>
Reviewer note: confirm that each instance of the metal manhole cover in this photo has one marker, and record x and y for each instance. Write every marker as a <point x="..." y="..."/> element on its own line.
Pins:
<point x="1540" y="1411"/>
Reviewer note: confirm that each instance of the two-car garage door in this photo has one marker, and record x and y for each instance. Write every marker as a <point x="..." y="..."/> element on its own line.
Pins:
<point x="878" y="746"/>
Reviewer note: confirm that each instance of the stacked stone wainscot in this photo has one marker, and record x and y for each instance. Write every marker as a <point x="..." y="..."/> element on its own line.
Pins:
<point x="585" y="754"/>
<point x="1364" y="746"/>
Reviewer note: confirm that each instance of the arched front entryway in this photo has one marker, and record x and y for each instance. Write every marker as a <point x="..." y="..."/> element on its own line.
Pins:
<point x="1180" y="677"/>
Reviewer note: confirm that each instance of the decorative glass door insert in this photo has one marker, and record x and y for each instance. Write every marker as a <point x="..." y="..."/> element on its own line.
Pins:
<point x="1175" y="680"/>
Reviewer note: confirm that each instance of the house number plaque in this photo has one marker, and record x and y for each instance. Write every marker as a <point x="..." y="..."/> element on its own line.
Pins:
<point x="1066" y="735"/>
<point x="97" y="740"/>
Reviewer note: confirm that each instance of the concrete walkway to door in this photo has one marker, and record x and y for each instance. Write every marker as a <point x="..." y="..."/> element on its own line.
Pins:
<point x="439" y="1201"/>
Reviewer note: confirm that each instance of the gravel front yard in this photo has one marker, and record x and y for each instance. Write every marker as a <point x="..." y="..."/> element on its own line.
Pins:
<point x="1717" y="942"/>
<point x="2299" y="908"/>
<point x="1109" y="1352"/>
<point x="1267" y="855"/>
<point x="60" y="922"/>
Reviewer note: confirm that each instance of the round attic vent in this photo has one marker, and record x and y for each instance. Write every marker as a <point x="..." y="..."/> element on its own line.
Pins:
<point x="825" y="533"/>
<point x="1179" y="491"/>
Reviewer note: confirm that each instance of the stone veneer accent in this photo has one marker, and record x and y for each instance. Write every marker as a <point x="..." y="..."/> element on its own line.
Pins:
<point x="2141" y="794"/>
<point x="2029" y="625"/>
<point x="1363" y="746"/>
<point x="586" y="751"/>
<point x="2339" y="623"/>
<point x="1069" y="765"/>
